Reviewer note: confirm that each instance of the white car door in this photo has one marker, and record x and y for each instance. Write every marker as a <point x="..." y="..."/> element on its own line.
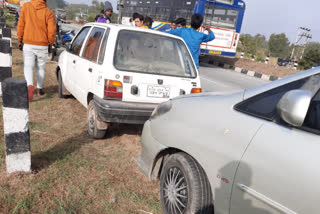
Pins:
<point x="73" y="59"/>
<point x="87" y="66"/>
<point x="279" y="172"/>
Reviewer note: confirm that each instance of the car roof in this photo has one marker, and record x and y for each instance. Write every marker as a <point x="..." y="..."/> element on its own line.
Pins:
<point x="266" y="87"/>
<point x="119" y="27"/>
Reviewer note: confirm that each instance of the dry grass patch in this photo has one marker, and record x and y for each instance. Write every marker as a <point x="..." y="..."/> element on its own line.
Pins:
<point x="73" y="173"/>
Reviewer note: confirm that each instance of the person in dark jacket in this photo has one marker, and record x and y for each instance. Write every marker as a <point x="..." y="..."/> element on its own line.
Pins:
<point x="107" y="13"/>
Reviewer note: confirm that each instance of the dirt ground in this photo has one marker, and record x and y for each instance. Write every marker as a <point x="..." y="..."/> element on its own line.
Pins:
<point x="268" y="69"/>
<point x="72" y="173"/>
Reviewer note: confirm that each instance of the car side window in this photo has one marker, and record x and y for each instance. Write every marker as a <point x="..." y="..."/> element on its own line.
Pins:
<point x="265" y="105"/>
<point x="92" y="46"/>
<point x="312" y="121"/>
<point x="103" y="47"/>
<point x="78" y="41"/>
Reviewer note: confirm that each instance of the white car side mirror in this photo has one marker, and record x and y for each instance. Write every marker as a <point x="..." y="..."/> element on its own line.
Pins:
<point x="293" y="106"/>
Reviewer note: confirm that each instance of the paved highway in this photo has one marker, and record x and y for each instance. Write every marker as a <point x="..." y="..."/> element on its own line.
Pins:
<point x="218" y="79"/>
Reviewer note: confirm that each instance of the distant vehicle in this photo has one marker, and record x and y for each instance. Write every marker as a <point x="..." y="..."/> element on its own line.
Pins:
<point x="63" y="39"/>
<point x="224" y="16"/>
<point x="120" y="74"/>
<point x="12" y="5"/>
<point x="283" y="61"/>
<point x="253" y="152"/>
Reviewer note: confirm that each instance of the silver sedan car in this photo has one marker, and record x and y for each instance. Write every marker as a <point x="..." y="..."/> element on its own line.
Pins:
<point x="253" y="152"/>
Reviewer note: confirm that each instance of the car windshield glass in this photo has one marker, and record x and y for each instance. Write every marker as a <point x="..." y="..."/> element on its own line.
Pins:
<point x="154" y="54"/>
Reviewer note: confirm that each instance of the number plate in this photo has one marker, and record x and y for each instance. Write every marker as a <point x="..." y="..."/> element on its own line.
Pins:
<point x="215" y="52"/>
<point x="158" y="91"/>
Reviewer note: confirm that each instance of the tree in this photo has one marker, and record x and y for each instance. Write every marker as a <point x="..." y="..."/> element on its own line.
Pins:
<point x="101" y="6"/>
<point x="311" y="57"/>
<point x="279" y="45"/>
<point x="248" y="44"/>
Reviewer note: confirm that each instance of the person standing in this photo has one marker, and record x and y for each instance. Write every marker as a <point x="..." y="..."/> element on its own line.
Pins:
<point x="36" y="33"/>
<point x="139" y="21"/>
<point x="181" y="22"/>
<point x="192" y="37"/>
<point x="106" y="15"/>
<point x="148" y="21"/>
<point x="108" y="10"/>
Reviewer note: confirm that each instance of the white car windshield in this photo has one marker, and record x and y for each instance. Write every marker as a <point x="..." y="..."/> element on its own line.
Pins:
<point x="154" y="54"/>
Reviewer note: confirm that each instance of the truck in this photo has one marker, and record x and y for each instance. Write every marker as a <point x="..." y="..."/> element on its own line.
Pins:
<point x="13" y="5"/>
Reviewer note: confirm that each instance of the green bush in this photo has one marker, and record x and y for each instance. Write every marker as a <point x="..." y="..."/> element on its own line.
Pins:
<point x="91" y="17"/>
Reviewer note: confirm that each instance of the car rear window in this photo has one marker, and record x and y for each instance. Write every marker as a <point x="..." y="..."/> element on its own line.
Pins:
<point x="153" y="54"/>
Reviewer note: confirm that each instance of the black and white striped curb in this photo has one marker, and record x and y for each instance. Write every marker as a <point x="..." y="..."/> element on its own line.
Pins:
<point x="2" y="22"/>
<point x="256" y="74"/>
<point x="6" y="34"/>
<point x="5" y="60"/>
<point x="16" y="125"/>
<point x="243" y="71"/>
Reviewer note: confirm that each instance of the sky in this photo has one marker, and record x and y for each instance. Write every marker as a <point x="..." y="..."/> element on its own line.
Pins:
<point x="274" y="16"/>
<point x="282" y="16"/>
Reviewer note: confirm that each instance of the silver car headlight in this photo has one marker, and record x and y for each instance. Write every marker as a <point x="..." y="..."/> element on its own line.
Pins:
<point x="161" y="109"/>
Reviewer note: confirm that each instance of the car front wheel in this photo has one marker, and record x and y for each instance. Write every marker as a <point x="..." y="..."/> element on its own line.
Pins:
<point x="92" y="118"/>
<point x="184" y="187"/>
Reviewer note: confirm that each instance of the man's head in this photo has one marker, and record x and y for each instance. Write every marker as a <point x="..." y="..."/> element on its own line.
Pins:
<point x="148" y="21"/>
<point x="173" y="25"/>
<point x="139" y="21"/>
<point x="108" y="9"/>
<point x="135" y="15"/>
<point x="181" y="22"/>
<point x="196" y="21"/>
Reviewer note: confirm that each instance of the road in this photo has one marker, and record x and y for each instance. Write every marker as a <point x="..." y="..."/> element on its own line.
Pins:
<point x="218" y="79"/>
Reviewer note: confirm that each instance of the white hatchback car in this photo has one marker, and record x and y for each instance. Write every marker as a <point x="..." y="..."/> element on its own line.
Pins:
<point x="121" y="73"/>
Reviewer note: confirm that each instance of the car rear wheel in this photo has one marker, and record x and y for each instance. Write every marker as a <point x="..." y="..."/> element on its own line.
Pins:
<point x="184" y="187"/>
<point x="61" y="88"/>
<point x="92" y="118"/>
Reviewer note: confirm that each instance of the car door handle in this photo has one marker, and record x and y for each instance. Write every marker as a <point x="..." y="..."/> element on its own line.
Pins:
<point x="74" y="61"/>
<point x="90" y="70"/>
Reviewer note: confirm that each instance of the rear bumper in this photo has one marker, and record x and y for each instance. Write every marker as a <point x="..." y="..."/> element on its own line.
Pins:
<point x="114" y="111"/>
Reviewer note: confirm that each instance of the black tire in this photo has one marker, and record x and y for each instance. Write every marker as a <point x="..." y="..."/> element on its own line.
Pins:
<point x="184" y="186"/>
<point x="60" y="86"/>
<point x="92" y="118"/>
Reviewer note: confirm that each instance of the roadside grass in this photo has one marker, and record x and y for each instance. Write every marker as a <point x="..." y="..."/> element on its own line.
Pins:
<point x="72" y="173"/>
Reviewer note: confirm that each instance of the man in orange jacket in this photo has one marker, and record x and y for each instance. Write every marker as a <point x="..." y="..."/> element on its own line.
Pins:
<point x="36" y="34"/>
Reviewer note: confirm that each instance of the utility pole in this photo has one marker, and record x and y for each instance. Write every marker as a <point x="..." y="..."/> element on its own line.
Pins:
<point x="302" y="39"/>
<point x="120" y="6"/>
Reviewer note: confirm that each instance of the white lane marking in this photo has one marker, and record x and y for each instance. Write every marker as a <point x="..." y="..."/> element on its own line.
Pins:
<point x="265" y="199"/>
<point x="214" y="82"/>
<point x="19" y="162"/>
<point x="0" y="89"/>
<point x="5" y="60"/>
<point x="15" y="120"/>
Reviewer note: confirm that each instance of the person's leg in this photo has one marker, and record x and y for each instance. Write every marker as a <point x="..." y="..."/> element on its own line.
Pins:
<point x="42" y="56"/>
<point x="28" y="61"/>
